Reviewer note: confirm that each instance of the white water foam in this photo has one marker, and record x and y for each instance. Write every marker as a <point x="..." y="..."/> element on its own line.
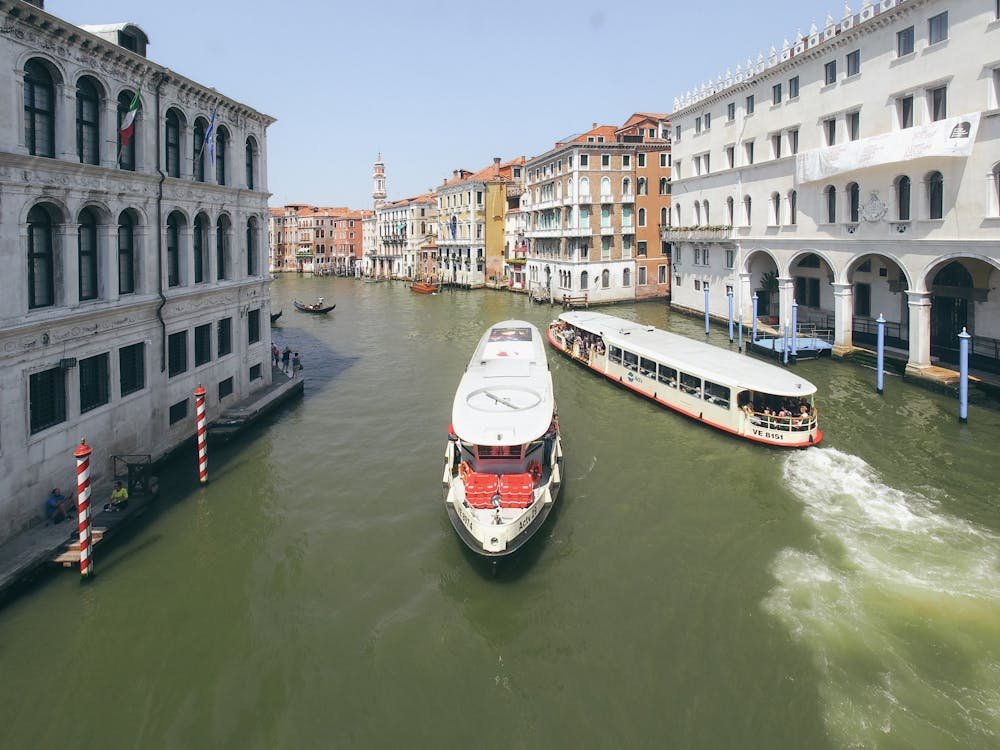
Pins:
<point x="899" y="603"/>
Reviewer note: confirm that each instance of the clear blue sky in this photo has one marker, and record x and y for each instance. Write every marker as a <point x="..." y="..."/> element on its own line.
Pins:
<point x="437" y="88"/>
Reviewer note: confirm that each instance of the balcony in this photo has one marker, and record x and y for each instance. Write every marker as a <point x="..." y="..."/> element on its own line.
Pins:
<point x="697" y="234"/>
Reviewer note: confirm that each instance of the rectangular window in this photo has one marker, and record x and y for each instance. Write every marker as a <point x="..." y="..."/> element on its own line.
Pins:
<point x="830" y="129"/>
<point x="904" y="42"/>
<point x="938" y="99"/>
<point x="641" y="276"/>
<point x="177" y="353"/>
<point x="793" y="87"/>
<point x="626" y="162"/>
<point x="677" y="132"/>
<point x="905" y="105"/>
<point x="661" y="274"/>
<point x="202" y="344"/>
<point x="793" y="141"/>
<point x="705" y="162"/>
<point x="256" y="372"/>
<point x="830" y="72"/>
<point x="225" y="336"/>
<point x="640" y="248"/>
<point x="853" y="63"/>
<point x="750" y="104"/>
<point x="664" y="160"/>
<point x="584" y="160"/>
<point x="731" y="111"/>
<point x="47" y="398"/>
<point x="132" y="368"/>
<point x="225" y="388"/>
<point x="253" y="326"/>
<point x="731" y="156"/>
<point x="730" y="258"/>
<point x="605" y="161"/>
<point x="697" y="125"/>
<point x="708" y="121"/>
<point x="854" y="125"/>
<point x="748" y="150"/>
<point x="178" y="411"/>
<point x="94" y="386"/>
<point x="937" y="28"/>
<point x="776" y="94"/>
<point x="776" y="145"/>
<point x="641" y="160"/>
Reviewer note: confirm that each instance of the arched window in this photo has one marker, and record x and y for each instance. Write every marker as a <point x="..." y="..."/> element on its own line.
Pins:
<point x="641" y="217"/>
<point x="605" y="278"/>
<point x="776" y="209"/>
<point x="221" y="244"/>
<point x="252" y="247"/>
<point x="174" y="223"/>
<point x="126" y="253"/>
<point x="627" y="277"/>
<point x="664" y="216"/>
<point x="221" y="139"/>
<point x="697" y="214"/>
<point x="903" y="198"/>
<point x="605" y="186"/>
<point x="854" y="202"/>
<point x="251" y="150"/>
<point x="88" y="132"/>
<point x="127" y="123"/>
<point x="746" y="210"/>
<point x="626" y="186"/>
<point x="831" y="203"/>
<point x="41" y="259"/>
<point x="730" y="217"/>
<point x="198" y="145"/>
<point x="641" y="186"/>
<point x="935" y="196"/>
<point x="995" y="182"/>
<point x="584" y="187"/>
<point x="677" y="215"/>
<point x="87" y="254"/>
<point x="793" y="207"/>
<point x="198" y="247"/>
<point x="704" y="211"/>
<point x="664" y="186"/>
<point x="39" y="110"/>
<point x="172" y="144"/>
<point x="583" y="281"/>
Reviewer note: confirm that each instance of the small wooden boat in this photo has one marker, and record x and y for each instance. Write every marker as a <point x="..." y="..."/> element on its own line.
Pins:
<point x="425" y="287"/>
<point x="319" y="308"/>
<point x="275" y="316"/>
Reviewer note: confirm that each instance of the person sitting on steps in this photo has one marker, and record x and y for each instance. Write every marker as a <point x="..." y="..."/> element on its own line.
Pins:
<point x="119" y="497"/>
<point x="57" y="506"/>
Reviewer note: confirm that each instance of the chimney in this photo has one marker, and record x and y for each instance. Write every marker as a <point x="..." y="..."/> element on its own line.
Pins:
<point x="594" y="126"/>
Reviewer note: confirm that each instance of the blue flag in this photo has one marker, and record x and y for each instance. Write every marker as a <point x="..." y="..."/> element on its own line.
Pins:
<point x="210" y="135"/>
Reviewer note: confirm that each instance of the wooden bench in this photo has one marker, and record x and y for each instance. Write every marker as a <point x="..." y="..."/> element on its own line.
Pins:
<point x="571" y="300"/>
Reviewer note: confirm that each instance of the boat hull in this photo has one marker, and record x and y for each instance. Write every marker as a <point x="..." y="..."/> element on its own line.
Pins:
<point x="424" y="287"/>
<point x="314" y="310"/>
<point x="743" y="427"/>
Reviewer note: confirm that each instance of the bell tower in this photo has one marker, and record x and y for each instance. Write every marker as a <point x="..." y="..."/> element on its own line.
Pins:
<point x="378" y="178"/>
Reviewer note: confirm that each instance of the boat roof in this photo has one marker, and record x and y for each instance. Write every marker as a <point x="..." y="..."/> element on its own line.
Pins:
<point x="505" y="396"/>
<point x="695" y="357"/>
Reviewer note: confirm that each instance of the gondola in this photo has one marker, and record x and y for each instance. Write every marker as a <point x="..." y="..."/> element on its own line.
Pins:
<point x="316" y="309"/>
<point x="275" y="316"/>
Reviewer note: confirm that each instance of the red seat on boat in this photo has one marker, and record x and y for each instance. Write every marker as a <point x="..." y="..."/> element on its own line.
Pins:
<point x="480" y="489"/>
<point x="516" y="490"/>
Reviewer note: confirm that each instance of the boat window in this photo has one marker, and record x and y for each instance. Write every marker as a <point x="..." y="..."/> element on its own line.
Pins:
<point x="668" y="375"/>
<point x="647" y="367"/>
<point x="498" y="451"/>
<point x="691" y="384"/>
<point x="631" y="361"/>
<point x="615" y="354"/>
<point x="717" y="394"/>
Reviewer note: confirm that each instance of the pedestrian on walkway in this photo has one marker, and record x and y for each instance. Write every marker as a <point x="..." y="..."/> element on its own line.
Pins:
<point x="286" y="357"/>
<point x="296" y="364"/>
<point x="275" y="353"/>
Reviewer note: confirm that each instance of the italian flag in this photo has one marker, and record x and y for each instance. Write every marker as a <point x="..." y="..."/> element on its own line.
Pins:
<point x="128" y="121"/>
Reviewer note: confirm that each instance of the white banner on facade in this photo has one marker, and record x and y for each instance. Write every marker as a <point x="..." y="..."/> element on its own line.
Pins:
<point x="952" y="136"/>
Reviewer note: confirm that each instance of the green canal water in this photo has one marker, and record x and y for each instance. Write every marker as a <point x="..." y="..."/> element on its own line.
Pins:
<point x="689" y="591"/>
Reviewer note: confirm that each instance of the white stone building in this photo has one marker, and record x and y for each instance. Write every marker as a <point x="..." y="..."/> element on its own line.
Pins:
<point x="137" y="266"/>
<point x="856" y="172"/>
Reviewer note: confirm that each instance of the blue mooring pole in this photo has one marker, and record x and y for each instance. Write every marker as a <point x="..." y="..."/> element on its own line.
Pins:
<point x="730" y="295"/>
<point x="963" y="378"/>
<point x="785" y="343"/>
<point x="881" y="354"/>
<point x="795" y="329"/>
<point x="753" y="331"/>
<point x="741" y="331"/>
<point x="706" y="311"/>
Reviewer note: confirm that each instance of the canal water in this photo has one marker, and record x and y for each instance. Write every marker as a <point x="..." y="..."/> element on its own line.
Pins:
<point x="690" y="590"/>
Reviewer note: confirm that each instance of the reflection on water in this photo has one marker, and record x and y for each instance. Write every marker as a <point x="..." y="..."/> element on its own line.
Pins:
<point x="899" y="604"/>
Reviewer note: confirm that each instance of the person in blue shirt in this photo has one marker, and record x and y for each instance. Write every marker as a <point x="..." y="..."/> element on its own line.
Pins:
<point x="57" y="506"/>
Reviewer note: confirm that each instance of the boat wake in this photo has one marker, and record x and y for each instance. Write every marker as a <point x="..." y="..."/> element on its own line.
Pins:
<point x="899" y="604"/>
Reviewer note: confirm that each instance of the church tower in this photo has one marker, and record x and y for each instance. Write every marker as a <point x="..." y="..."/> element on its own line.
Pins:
<point x="378" y="191"/>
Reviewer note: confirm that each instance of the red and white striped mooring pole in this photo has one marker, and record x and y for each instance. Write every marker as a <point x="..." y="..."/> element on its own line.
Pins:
<point x="82" y="455"/>
<point x="199" y="400"/>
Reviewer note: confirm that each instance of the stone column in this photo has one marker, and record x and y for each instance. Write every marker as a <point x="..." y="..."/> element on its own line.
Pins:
<point x="108" y="131"/>
<point x="107" y="260"/>
<point x="69" y="248"/>
<point x="786" y="293"/>
<point x="843" y="319"/>
<point x="65" y="122"/>
<point x="744" y="295"/>
<point x="186" y="252"/>
<point x="920" y="331"/>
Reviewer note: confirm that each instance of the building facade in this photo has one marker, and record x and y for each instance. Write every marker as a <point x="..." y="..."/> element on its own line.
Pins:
<point x="133" y="222"/>
<point x="855" y="173"/>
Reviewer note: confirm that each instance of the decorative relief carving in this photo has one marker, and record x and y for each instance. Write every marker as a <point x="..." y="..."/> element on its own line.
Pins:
<point x="874" y="209"/>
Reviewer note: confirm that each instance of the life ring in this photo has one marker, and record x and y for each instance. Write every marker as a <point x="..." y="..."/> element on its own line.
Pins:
<point x="535" y="469"/>
<point x="464" y="470"/>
